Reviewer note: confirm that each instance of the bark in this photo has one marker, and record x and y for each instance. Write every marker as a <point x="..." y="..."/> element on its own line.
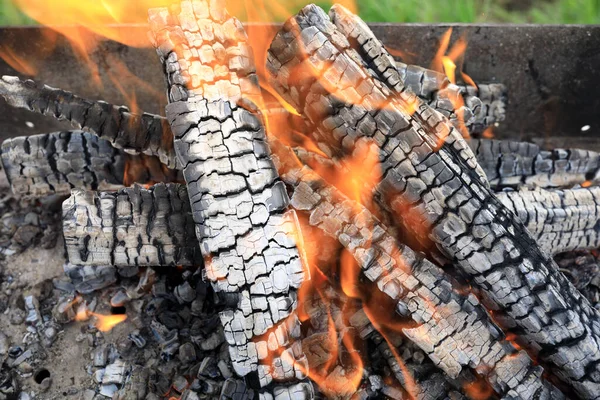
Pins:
<point x="247" y="234"/>
<point x="55" y="163"/>
<point x="132" y="227"/>
<point x="145" y="133"/>
<point x="520" y="164"/>
<point x="438" y="194"/>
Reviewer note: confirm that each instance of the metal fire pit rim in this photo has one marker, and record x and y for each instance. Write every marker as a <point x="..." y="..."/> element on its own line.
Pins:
<point x="548" y="69"/>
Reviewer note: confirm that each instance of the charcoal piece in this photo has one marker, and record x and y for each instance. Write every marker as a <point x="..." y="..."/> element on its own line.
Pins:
<point x="89" y="278"/>
<point x="131" y="227"/>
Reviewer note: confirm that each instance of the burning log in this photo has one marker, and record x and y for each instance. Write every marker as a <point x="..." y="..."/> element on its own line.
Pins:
<point x="438" y="194"/>
<point x="520" y="164"/>
<point x="131" y="227"/>
<point x="247" y="235"/>
<point x="459" y="104"/>
<point x="145" y="133"/>
<point x="55" y="163"/>
<point x="447" y="322"/>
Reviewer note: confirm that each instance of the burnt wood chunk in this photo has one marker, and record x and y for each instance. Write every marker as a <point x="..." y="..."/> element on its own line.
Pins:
<point x="438" y="196"/>
<point x="519" y="164"/>
<point x="559" y="220"/>
<point x="247" y="234"/>
<point x="55" y="163"/>
<point x="131" y="227"/>
<point x="145" y="133"/>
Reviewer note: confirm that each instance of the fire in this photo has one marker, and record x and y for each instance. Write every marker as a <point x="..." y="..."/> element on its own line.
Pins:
<point x="488" y="133"/>
<point x="445" y="61"/>
<point x="106" y="322"/>
<point x="478" y="390"/>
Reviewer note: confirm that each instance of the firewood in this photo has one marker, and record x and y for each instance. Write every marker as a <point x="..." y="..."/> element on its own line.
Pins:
<point x="145" y="133"/>
<point x="132" y="227"/>
<point x="55" y="163"/>
<point x="247" y="234"/>
<point x="439" y="195"/>
<point x="460" y="104"/>
<point x="423" y="292"/>
<point x="519" y="164"/>
<point x="559" y="220"/>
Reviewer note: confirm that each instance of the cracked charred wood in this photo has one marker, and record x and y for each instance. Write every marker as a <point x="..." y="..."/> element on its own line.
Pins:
<point x="146" y="133"/>
<point x="520" y="164"/>
<point x="247" y="234"/>
<point x="493" y="100"/>
<point x="431" y="86"/>
<point x="56" y="163"/>
<point x="131" y="227"/>
<point x="447" y="323"/>
<point x="559" y="220"/>
<point x="438" y="196"/>
<point x="459" y="104"/>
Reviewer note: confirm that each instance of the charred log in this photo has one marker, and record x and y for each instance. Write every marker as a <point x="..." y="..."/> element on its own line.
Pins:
<point x="131" y="227"/>
<point x="55" y="163"/>
<point x="460" y="104"/>
<point x="559" y="220"/>
<point x="438" y="194"/>
<point x="145" y="133"/>
<point x="520" y="164"/>
<point x="246" y="233"/>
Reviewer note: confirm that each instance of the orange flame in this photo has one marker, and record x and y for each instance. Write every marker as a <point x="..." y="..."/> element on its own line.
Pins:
<point x="478" y="390"/>
<point x="445" y="61"/>
<point x="106" y="322"/>
<point x="488" y="133"/>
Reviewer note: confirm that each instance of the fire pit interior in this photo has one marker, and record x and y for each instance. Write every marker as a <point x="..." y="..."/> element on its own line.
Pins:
<point x="319" y="209"/>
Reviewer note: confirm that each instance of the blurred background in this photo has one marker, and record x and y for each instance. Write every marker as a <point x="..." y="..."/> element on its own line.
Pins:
<point x="426" y="11"/>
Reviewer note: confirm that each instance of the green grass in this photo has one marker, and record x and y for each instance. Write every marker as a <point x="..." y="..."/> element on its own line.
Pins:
<point x="431" y="11"/>
<point x="493" y="11"/>
<point x="11" y="15"/>
<point x="424" y="11"/>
